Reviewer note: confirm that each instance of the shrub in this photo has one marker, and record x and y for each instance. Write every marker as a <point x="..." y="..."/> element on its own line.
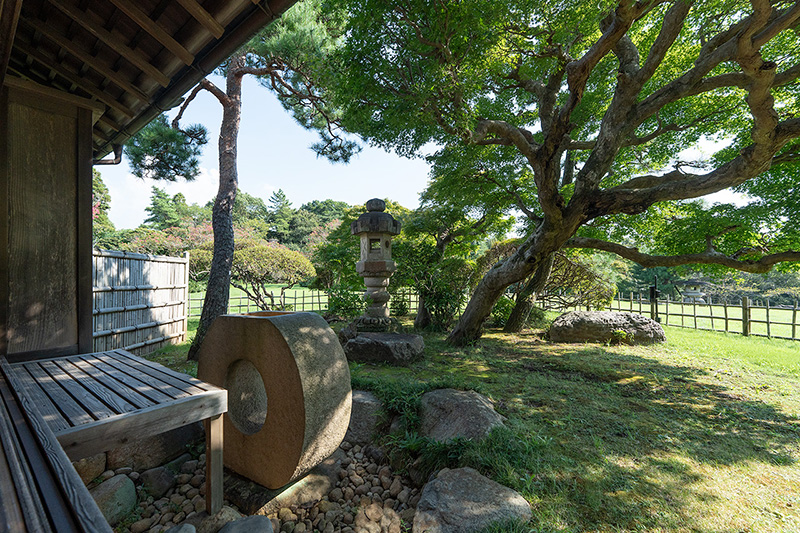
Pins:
<point x="345" y="302"/>
<point x="502" y="310"/>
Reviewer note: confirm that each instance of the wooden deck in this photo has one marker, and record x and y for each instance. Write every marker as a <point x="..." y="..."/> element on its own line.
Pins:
<point x="97" y="402"/>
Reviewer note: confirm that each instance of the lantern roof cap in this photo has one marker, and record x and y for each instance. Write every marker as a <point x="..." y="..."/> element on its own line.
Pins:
<point x="375" y="220"/>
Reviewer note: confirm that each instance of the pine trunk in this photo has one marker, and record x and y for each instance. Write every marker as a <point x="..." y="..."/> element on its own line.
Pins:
<point x="219" y="279"/>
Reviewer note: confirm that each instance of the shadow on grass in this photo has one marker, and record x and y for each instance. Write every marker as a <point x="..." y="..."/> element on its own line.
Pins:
<point x="611" y="439"/>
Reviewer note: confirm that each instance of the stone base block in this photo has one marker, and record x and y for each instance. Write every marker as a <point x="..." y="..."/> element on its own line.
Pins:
<point x="399" y="349"/>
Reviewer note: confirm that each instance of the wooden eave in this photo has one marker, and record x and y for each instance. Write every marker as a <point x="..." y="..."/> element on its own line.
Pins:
<point x="134" y="58"/>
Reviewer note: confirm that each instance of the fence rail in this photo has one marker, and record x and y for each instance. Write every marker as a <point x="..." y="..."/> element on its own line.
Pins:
<point x="305" y="300"/>
<point x="139" y="301"/>
<point x="745" y="317"/>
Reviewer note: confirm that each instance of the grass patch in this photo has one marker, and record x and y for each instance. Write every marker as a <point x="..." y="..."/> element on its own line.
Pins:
<point x="701" y="434"/>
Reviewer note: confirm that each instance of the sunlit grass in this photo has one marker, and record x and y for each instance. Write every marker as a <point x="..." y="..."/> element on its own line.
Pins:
<point x="700" y="434"/>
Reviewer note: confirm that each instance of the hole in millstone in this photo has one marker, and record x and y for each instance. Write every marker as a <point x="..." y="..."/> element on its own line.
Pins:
<point x="247" y="398"/>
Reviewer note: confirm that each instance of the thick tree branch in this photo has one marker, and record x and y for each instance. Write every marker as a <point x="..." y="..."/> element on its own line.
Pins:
<point x="220" y="95"/>
<point x="707" y="257"/>
<point x="522" y="139"/>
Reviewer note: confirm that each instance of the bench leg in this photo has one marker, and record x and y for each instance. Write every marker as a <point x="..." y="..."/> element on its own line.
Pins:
<point x="214" y="489"/>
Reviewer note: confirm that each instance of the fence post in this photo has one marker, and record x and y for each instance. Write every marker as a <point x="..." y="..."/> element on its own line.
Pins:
<point x="711" y="311"/>
<point x="187" y="297"/>
<point x="794" y="320"/>
<point x="768" y="330"/>
<point x="725" y="306"/>
<point x="745" y="316"/>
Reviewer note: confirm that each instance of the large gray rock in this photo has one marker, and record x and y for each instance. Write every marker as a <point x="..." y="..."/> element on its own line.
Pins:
<point x="606" y="326"/>
<point x="399" y="349"/>
<point x="364" y="417"/>
<point x="157" y="481"/>
<point x="449" y="413"/>
<point x="91" y="467"/>
<point x="250" y="524"/>
<point x="116" y="498"/>
<point x="463" y="501"/>
<point x="154" y="451"/>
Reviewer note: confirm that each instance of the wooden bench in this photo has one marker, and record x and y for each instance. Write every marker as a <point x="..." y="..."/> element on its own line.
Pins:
<point x="96" y="402"/>
<point x="40" y="492"/>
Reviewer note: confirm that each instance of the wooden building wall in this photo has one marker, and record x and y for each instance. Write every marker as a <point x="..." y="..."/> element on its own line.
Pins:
<point x="45" y="222"/>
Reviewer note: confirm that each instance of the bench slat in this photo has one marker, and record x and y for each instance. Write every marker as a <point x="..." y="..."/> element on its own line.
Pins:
<point x="72" y="411"/>
<point x="129" y="381"/>
<point x="164" y="370"/>
<point x="157" y="384"/>
<point x="94" y="407"/>
<point x="157" y="373"/>
<point x="22" y="381"/>
<point x="106" y="395"/>
<point x="118" y="387"/>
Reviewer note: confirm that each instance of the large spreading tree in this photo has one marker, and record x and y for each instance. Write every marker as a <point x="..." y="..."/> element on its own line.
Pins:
<point x="581" y="113"/>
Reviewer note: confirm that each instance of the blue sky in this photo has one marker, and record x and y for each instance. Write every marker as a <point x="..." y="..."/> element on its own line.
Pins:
<point x="274" y="154"/>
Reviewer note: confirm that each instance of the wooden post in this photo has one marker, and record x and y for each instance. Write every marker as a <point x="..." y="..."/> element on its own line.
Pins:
<point x="214" y="488"/>
<point x="745" y="316"/>
<point x="769" y="334"/>
<point x="794" y="320"/>
<point x="725" y="307"/>
<point x="188" y="302"/>
<point x="694" y="311"/>
<point x="711" y="311"/>
<point x="666" y="312"/>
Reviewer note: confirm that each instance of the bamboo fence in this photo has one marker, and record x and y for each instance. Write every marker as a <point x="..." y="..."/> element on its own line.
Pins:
<point x="140" y="302"/>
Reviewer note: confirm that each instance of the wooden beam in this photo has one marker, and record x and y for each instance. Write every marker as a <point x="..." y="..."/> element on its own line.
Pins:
<point x="154" y="30"/>
<point x="9" y="16"/>
<point x="203" y="17"/>
<point x="93" y="62"/>
<point x="74" y="78"/>
<point x="94" y="25"/>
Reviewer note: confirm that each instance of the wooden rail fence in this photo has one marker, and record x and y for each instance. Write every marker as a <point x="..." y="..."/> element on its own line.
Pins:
<point x="745" y="317"/>
<point x="140" y="302"/>
<point x="301" y="300"/>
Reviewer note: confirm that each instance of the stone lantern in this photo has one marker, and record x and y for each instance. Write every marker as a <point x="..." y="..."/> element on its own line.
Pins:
<point x="376" y="229"/>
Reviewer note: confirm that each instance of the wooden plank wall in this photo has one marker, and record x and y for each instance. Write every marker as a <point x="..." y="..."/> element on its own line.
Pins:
<point x="140" y="302"/>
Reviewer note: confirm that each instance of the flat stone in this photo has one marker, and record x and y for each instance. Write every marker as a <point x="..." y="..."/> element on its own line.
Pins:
<point x="205" y="523"/>
<point x="252" y="498"/>
<point x="464" y="501"/>
<point x="90" y="468"/>
<point x="398" y="349"/>
<point x="250" y="524"/>
<point x="449" y="413"/>
<point x="157" y="481"/>
<point x="151" y="452"/>
<point x="183" y="528"/>
<point x="116" y="498"/>
<point x="364" y="417"/>
<point x="606" y="326"/>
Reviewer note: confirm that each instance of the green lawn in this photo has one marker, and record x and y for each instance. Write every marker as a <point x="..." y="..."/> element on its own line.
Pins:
<point x="701" y="434"/>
